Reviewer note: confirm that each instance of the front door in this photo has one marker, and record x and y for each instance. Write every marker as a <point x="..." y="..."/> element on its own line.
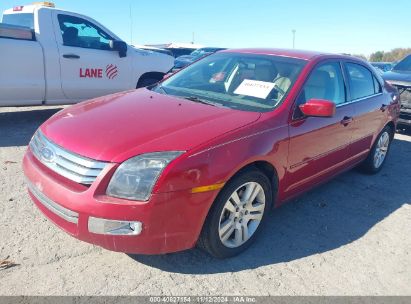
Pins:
<point x="89" y="68"/>
<point x="319" y="146"/>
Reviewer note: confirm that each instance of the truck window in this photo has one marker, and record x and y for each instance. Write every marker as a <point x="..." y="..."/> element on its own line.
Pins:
<point x="26" y="20"/>
<point x="78" y="32"/>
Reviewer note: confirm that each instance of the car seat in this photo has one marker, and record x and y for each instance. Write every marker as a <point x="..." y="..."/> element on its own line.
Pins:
<point x="70" y="36"/>
<point x="319" y="86"/>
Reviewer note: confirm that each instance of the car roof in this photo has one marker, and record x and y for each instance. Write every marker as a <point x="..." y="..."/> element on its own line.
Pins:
<point x="293" y="53"/>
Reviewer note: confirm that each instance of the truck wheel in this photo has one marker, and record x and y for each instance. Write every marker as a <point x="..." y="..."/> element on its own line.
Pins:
<point x="237" y="215"/>
<point x="379" y="152"/>
<point x="145" y="82"/>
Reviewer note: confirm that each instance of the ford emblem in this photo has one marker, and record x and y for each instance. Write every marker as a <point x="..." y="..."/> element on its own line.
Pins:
<point x="47" y="154"/>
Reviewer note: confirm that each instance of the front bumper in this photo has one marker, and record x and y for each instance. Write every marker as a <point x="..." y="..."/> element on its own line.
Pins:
<point x="405" y="117"/>
<point x="405" y="99"/>
<point x="170" y="221"/>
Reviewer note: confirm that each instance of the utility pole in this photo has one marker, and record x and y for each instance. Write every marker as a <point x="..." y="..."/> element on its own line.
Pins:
<point x="131" y="26"/>
<point x="293" y="31"/>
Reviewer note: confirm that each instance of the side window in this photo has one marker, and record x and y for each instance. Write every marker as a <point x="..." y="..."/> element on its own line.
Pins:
<point x="361" y="81"/>
<point x="78" y="32"/>
<point x="377" y="86"/>
<point x="325" y="82"/>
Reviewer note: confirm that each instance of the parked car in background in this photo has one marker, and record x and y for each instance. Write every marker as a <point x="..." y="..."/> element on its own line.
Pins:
<point x="154" y="49"/>
<point x="378" y="70"/>
<point x="184" y="60"/>
<point x="50" y="56"/>
<point x="178" y="49"/>
<point x="201" y="157"/>
<point x="383" y="66"/>
<point x="400" y="77"/>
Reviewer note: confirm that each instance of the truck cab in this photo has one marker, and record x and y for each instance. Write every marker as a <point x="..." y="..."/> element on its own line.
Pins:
<point x="70" y="58"/>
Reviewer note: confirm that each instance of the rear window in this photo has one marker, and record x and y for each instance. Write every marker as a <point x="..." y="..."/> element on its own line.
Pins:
<point x="26" y="20"/>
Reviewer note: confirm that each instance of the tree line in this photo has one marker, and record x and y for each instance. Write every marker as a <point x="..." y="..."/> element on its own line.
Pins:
<point x="393" y="55"/>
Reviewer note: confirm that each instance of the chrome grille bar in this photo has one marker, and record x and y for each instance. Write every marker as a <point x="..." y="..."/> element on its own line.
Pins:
<point x="70" y="165"/>
<point x="57" y="209"/>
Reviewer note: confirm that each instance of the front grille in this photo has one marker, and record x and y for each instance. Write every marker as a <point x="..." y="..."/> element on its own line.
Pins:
<point x="77" y="168"/>
<point x="405" y="96"/>
<point x="405" y="115"/>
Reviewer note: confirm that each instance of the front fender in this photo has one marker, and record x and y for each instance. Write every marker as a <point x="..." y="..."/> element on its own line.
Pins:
<point x="219" y="162"/>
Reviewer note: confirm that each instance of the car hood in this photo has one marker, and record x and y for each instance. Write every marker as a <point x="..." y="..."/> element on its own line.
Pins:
<point x="117" y="127"/>
<point x="397" y="76"/>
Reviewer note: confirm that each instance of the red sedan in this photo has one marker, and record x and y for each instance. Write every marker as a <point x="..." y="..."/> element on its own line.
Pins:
<point x="201" y="157"/>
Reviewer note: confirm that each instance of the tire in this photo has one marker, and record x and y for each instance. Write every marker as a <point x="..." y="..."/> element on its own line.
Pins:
<point x="145" y="82"/>
<point x="379" y="152"/>
<point x="224" y="231"/>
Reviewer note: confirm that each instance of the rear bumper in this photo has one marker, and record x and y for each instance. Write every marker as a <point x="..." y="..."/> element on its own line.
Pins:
<point x="170" y="221"/>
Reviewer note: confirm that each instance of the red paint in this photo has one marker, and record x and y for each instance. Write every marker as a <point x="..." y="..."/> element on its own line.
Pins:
<point x="111" y="71"/>
<point x="91" y="73"/>
<point x="318" y="108"/>
<point x="304" y="152"/>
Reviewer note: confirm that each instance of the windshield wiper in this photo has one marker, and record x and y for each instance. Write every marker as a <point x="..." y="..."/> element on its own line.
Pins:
<point x="196" y="99"/>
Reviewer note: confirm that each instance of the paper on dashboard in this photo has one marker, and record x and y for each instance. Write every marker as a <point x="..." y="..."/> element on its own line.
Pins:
<point x="255" y="88"/>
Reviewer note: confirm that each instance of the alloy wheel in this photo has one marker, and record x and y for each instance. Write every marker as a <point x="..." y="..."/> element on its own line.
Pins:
<point x="381" y="149"/>
<point x="242" y="214"/>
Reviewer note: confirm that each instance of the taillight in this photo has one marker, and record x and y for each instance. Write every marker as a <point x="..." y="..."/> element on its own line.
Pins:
<point x="18" y="8"/>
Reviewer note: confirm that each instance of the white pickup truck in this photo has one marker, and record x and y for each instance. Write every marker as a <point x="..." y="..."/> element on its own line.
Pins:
<point x="50" y="56"/>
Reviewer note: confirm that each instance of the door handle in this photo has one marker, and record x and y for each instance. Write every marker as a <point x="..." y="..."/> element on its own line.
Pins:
<point x="71" y="56"/>
<point x="346" y="121"/>
<point x="384" y="107"/>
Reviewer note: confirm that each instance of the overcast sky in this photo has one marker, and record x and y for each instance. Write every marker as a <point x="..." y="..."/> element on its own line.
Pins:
<point x="345" y="26"/>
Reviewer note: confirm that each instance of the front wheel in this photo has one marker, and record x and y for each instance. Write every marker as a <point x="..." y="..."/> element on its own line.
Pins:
<point x="236" y="215"/>
<point x="379" y="152"/>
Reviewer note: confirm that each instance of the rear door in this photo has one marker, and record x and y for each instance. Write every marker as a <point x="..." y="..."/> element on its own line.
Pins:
<point x="370" y="106"/>
<point x="319" y="147"/>
<point x="89" y="68"/>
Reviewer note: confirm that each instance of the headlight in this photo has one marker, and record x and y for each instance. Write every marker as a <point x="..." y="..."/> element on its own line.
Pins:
<point x="136" y="177"/>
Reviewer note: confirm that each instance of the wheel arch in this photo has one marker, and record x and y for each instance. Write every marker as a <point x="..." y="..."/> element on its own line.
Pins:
<point x="391" y="125"/>
<point x="267" y="169"/>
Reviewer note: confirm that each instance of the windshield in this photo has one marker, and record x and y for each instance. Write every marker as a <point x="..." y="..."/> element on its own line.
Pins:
<point x="26" y="20"/>
<point x="246" y="82"/>
<point x="404" y="65"/>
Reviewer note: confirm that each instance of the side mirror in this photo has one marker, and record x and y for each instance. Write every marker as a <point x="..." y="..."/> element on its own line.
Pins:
<point x="120" y="46"/>
<point x="318" y="108"/>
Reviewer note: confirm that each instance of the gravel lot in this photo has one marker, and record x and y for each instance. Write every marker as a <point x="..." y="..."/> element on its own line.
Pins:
<point x="348" y="237"/>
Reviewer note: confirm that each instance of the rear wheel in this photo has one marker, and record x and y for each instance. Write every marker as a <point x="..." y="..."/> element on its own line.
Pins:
<point x="379" y="152"/>
<point x="236" y="215"/>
